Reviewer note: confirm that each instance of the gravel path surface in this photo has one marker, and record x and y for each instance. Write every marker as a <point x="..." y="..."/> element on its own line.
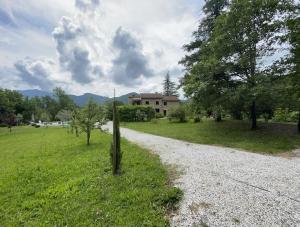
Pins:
<point x="228" y="187"/>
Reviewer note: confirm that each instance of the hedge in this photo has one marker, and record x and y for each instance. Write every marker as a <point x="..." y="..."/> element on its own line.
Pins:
<point x="130" y="113"/>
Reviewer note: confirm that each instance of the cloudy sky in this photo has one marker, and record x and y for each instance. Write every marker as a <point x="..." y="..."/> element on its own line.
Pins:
<point x="94" y="45"/>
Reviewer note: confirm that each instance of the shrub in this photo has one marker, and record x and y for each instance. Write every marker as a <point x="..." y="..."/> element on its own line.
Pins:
<point x="109" y="108"/>
<point x="177" y="113"/>
<point x="197" y="119"/>
<point x="37" y="126"/>
<point x="129" y="113"/>
<point x="284" y="115"/>
<point x="159" y="115"/>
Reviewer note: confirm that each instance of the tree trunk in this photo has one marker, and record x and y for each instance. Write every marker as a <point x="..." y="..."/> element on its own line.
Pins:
<point x="299" y="122"/>
<point x="76" y="132"/>
<point x="88" y="135"/>
<point x="253" y="116"/>
<point x="218" y="116"/>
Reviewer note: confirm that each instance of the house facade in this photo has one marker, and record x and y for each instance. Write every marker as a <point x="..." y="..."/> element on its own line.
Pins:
<point x="159" y="102"/>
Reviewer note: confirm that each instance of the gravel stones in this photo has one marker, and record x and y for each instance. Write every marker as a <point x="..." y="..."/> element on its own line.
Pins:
<point x="228" y="187"/>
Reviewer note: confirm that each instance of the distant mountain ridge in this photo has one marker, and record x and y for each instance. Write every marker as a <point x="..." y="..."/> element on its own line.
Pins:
<point x="35" y="92"/>
<point x="80" y="100"/>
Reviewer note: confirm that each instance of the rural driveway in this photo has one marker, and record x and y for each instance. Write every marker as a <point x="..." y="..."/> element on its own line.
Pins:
<point x="228" y="187"/>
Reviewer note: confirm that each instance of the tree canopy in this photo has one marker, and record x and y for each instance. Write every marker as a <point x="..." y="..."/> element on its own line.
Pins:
<point x="226" y="63"/>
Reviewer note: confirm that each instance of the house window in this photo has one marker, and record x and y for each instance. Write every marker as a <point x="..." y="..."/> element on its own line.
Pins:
<point x="165" y="103"/>
<point x="157" y="110"/>
<point x="147" y="102"/>
<point x="157" y="102"/>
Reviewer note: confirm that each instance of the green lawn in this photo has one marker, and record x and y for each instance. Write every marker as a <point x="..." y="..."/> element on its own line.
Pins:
<point x="51" y="178"/>
<point x="269" y="138"/>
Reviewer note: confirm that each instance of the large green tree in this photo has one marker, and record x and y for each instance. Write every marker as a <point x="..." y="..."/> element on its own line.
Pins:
<point x="11" y="104"/>
<point x="294" y="61"/>
<point x="64" y="101"/>
<point x="205" y="78"/>
<point x="50" y="107"/>
<point x="245" y="36"/>
<point x="287" y="70"/>
<point x="225" y="64"/>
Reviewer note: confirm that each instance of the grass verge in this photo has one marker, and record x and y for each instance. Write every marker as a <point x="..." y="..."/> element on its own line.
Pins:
<point x="270" y="138"/>
<point x="51" y="178"/>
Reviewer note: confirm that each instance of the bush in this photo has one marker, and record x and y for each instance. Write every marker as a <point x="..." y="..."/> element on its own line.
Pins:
<point x="159" y="115"/>
<point x="197" y="119"/>
<point x="129" y="113"/>
<point x="37" y="126"/>
<point x="109" y="109"/>
<point x="284" y="115"/>
<point x="177" y="113"/>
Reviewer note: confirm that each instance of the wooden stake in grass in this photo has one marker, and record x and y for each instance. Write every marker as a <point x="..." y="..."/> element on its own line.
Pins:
<point x="115" y="151"/>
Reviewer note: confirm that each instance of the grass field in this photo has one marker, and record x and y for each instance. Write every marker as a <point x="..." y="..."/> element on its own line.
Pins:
<point x="51" y="178"/>
<point x="269" y="138"/>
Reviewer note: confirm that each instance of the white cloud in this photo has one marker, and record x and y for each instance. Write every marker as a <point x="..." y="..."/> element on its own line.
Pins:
<point x="83" y="44"/>
<point x="40" y="73"/>
<point x="131" y="66"/>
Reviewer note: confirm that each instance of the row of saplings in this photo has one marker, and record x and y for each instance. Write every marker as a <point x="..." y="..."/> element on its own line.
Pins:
<point x="91" y="116"/>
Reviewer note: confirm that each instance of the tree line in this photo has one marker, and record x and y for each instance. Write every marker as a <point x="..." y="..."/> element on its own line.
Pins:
<point x="236" y="62"/>
<point x="15" y="109"/>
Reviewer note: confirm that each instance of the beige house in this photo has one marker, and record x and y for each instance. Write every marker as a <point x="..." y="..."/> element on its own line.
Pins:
<point x="159" y="102"/>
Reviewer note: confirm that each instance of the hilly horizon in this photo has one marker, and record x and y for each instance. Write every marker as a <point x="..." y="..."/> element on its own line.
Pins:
<point x="80" y="100"/>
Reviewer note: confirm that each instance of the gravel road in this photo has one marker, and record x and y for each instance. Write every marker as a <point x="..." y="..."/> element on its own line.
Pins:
<point x="228" y="187"/>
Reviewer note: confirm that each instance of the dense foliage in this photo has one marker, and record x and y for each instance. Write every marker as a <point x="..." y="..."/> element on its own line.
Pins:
<point x="129" y="113"/>
<point x="177" y="113"/>
<point x="109" y="108"/>
<point x="229" y="64"/>
<point x="16" y="109"/>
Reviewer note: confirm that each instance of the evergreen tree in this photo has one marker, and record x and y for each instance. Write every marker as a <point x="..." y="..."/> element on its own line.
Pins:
<point x="115" y="151"/>
<point x="205" y="77"/>
<point x="169" y="86"/>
